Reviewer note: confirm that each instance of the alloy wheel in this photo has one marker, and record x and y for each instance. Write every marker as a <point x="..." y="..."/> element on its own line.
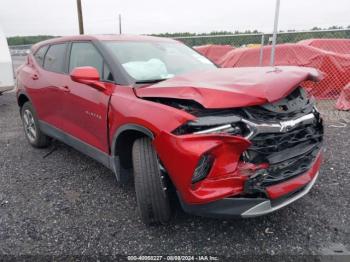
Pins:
<point x="29" y="125"/>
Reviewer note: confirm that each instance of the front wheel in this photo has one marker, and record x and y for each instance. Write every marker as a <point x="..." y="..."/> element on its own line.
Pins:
<point x="31" y="127"/>
<point x="151" y="192"/>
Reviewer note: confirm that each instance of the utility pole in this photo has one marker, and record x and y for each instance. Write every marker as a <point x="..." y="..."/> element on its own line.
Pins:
<point x="120" y="24"/>
<point x="80" y="17"/>
<point x="274" y="38"/>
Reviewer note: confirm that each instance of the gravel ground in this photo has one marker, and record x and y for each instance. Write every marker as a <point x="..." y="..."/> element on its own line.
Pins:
<point x="69" y="204"/>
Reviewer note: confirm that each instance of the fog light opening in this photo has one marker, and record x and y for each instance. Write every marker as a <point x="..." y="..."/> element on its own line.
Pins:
<point x="203" y="168"/>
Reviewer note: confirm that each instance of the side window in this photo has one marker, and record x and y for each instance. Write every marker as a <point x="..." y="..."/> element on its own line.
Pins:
<point x="85" y="54"/>
<point x="55" y="57"/>
<point x="40" y="54"/>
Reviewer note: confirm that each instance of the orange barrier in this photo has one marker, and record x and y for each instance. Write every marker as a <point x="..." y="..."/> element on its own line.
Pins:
<point x="214" y="52"/>
<point x="341" y="46"/>
<point x="335" y="66"/>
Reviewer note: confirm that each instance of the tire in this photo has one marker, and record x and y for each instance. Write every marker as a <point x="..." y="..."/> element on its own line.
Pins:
<point x="151" y="194"/>
<point x="31" y="127"/>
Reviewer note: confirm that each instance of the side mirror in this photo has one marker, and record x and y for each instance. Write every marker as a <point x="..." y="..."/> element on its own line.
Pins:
<point x="87" y="75"/>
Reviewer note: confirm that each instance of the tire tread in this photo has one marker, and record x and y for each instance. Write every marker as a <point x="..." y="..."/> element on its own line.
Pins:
<point x="152" y="200"/>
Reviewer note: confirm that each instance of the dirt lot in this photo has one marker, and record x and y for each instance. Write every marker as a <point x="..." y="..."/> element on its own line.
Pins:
<point x="68" y="204"/>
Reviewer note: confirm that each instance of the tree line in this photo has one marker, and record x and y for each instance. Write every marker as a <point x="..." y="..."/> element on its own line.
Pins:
<point x="27" y="40"/>
<point x="235" y="40"/>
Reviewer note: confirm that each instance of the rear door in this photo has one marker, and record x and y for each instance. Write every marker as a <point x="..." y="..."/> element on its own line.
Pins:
<point x="85" y="108"/>
<point x="46" y="86"/>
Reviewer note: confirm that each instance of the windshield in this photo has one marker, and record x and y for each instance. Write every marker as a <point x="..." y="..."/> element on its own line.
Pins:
<point x="156" y="61"/>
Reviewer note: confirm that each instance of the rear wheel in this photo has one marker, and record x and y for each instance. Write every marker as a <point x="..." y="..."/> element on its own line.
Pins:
<point x="151" y="192"/>
<point x="31" y="127"/>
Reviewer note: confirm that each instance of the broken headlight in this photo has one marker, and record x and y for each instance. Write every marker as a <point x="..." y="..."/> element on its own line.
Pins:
<point x="228" y="124"/>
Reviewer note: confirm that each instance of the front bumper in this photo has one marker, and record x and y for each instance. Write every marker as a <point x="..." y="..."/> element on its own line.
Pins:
<point x="246" y="207"/>
<point x="227" y="178"/>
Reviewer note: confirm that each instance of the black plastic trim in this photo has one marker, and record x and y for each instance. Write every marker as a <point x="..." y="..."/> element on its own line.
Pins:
<point x="76" y="143"/>
<point x="223" y="208"/>
<point x="135" y="127"/>
<point x="114" y="159"/>
<point x="24" y="93"/>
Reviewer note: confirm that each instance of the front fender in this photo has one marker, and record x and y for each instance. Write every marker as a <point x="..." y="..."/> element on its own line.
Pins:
<point x="180" y="156"/>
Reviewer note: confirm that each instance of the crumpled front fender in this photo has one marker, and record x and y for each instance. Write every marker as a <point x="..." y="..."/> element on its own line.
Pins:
<point x="180" y="156"/>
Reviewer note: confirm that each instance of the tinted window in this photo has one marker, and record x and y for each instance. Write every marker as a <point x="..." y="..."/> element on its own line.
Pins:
<point x="55" y="57"/>
<point x="40" y="54"/>
<point x="85" y="54"/>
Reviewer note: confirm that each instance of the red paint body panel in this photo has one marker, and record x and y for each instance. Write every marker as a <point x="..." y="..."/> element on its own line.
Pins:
<point x="84" y="113"/>
<point x="180" y="156"/>
<point x="44" y="89"/>
<point x="232" y="87"/>
<point x="126" y="108"/>
<point x="75" y="108"/>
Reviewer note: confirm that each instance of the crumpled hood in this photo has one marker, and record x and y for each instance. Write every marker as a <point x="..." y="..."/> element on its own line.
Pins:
<point x="232" y="87"/>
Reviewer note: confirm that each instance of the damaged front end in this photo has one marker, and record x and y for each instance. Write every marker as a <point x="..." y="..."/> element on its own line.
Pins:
<point x="287" y="135"/>
<point x="260" y="152"/>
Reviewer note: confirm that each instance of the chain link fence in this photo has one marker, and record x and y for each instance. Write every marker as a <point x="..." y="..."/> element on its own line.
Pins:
<point x="326" y="50"/>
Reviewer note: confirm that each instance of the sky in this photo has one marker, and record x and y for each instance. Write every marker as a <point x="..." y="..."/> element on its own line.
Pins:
<point x="59" y="17"/>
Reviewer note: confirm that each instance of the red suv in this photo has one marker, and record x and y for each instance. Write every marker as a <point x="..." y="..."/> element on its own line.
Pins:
<point x="225" y="141"/>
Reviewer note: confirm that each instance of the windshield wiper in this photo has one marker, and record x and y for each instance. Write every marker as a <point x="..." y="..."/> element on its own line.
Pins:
<point x="150" y="81"/>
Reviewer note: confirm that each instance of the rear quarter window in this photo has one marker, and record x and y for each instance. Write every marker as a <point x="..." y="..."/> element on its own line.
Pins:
<point x="40" y="55"/>
<point x="55" y="58"/>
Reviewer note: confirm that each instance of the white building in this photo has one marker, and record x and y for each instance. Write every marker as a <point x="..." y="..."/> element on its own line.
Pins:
<point x="6" y="70"/>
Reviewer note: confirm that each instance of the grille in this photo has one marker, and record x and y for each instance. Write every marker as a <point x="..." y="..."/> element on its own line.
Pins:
<point x="291" y="153"/>
<point x="266" y="147"/>
<point x="290" y="168"/>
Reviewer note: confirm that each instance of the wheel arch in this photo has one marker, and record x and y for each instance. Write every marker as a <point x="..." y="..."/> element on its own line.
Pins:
<point x="121" y="149"/>
<point x="22" y="98"/>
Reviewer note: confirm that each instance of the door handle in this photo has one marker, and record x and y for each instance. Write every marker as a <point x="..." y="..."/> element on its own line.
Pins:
<point x="35" y="77"/>
<point x="64" y="88"/>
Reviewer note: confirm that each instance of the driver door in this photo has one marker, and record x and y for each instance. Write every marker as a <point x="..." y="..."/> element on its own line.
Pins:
<point x="85" y="108"/>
